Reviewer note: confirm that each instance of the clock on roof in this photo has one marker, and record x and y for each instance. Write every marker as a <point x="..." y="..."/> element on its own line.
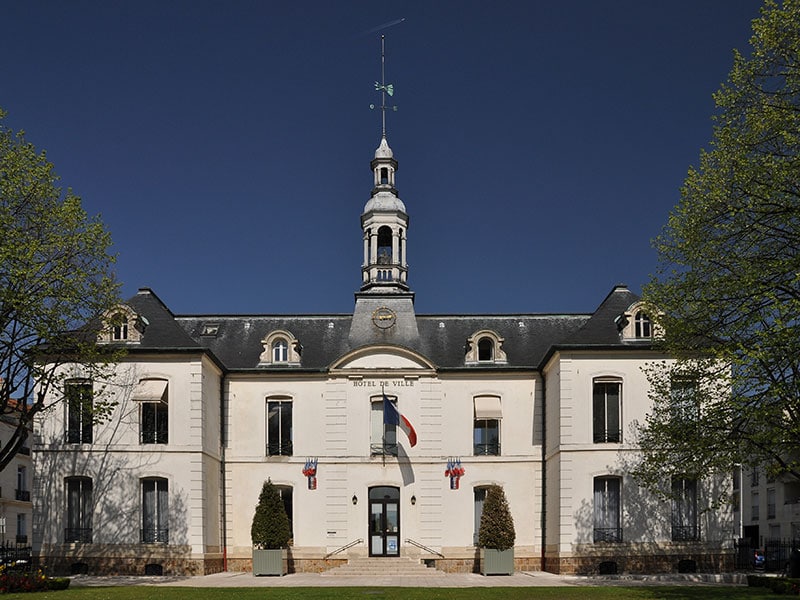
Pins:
<point x="384" y="317"/>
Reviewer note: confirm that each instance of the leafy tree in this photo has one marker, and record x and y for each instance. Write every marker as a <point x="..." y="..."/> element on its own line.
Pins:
<point x="727" y="291"/>
<point x="270" y="529"/>
<point x="496" y="530"/>
<point x="55" y="276"/>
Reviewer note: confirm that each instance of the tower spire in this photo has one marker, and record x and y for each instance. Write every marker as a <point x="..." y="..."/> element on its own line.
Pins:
<point x="384" y="89"/>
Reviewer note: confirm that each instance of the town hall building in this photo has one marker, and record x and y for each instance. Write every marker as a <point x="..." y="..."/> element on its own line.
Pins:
<point x="208" y="407"/>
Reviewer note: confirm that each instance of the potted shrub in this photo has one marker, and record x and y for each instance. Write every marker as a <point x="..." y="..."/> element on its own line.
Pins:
<point x="496" y="534"/>
<point x="270" y="533"/>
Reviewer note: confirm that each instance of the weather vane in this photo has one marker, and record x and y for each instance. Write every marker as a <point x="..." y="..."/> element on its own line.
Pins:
<point x="384" y="88"/>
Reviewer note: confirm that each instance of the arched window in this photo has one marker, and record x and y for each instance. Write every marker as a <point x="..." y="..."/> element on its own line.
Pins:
<point x="485" y="349"/>
<point x="280" y="351"/>
<point x="384" y="245"/>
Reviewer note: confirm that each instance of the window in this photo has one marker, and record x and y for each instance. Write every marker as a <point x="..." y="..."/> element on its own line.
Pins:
<point x="684" y="510"/>
<point x="642" y="326"/>
<point x="153" y="394"/>
<point x="606" y="411"/>
<point x="79" y="412"/>
<point x="119" y="327"/>
<point x="280" y="351"/>
<point x="754" y="508"/>
<point x="771" y="504"/>
<point x="754" y="477"/>
<point x="383" y="436"/>
<point x="485" y="349"/>
<point x="22" y="492"/>
<point x="685" y="404"/>
<point x="155" y="511"/>
<point x="486" y="426"/>
<point x="607" y="522"/>
<point x="385" y="245"/>
<point x="279" y="427"/>
<point x="155" y="423"/>
<point x="22" y="529"/>
<point x="480" y="498"/>
<point x="79" y="510"/>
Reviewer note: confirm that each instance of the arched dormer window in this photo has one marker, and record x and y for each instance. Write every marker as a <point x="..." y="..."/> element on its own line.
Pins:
<point x="280" y="351"/>
<point x="636" y="325"/>
<point x="485" y="347"/>
<point x="280" y="348"/>
<point x="121" y="325"/>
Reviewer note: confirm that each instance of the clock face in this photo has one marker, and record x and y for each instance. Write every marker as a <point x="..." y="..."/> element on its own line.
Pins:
<point x="383" y="317"/>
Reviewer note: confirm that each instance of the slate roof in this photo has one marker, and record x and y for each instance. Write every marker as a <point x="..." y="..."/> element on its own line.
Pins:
<point x="529" y="339"/>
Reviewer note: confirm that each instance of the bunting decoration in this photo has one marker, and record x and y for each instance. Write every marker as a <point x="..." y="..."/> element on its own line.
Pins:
<point x="310" y="471"/>
<point x="454" y="471"/>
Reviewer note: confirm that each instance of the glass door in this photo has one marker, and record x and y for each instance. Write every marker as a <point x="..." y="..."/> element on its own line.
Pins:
<point x="384" y="521"/>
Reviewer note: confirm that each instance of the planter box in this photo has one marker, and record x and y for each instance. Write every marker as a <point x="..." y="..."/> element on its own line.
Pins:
<point x="497" y="562"/>
<point x="270" y="562"/>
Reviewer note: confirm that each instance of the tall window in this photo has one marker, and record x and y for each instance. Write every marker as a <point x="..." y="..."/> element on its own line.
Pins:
<point x="22" y="529"/>
<point x="22" y="492"/>
<point x="279" y="427"/>
<point x="285" y="492"/>
<point x="155" y="423"/>
<point x="155" y="511"/>
<point x="685" y="402"/>
<point x="480" y="498"/>
<point x="643" y="328"/>
<point x="606" y="411"/>
<point x="486" y="426"/>
<point x="772" y="509"/>
<point x="684" y="510"/>
<point x="385" y="245"/>
<point x="754" y="506"/>
<point x="383" y="436"/>
<point x="79" y="510"/>
<point x="280" y="351"/>
<point x="79" y="411"/>
<point x="607" y="510"/>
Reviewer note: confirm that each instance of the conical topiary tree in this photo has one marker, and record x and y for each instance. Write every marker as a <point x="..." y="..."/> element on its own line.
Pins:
<point x="497" y="525"/>
<point x="270" y="530"/>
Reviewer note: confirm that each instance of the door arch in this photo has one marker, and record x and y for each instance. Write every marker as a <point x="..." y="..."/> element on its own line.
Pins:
<point x="384" y="521"/>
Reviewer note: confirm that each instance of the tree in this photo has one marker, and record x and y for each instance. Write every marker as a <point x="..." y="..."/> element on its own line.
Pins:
<point x="727" y="291"/>
<point x="270" y="529"/>
<point x="55" y="276"/>
<point x="496" y="530"/>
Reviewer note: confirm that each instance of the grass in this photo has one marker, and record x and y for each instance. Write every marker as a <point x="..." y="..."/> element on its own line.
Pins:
<point x="688" y="592"/>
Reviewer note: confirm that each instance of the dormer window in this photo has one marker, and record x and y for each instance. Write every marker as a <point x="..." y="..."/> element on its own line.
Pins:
<point x="280" y="351"/>
<point x="280" y="348"/>
<point x="121" y="325"/>
<point x="485" y="347"/>
<point x="643" y="328"/>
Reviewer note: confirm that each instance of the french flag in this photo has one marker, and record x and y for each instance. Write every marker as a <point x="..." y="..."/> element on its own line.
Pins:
<point x="392" y="416"/>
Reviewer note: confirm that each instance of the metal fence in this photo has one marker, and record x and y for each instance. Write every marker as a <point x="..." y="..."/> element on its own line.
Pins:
<point x="776" y="552"/>
<point x="15" y="556"/>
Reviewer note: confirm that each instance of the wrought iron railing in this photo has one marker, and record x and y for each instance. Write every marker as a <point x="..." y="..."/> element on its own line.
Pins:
<point x="491" y="449"/>
<point x="280" y="448"/>
<point x="343" y="548"/>
<point x="685" y="533"/>
<point x="153" y="436"/>
<point x="608" y="436"/>
<point x="383" y="449"/>
<point x="81" y="535"/>
<point x="22" y="495"/>
<point x="155" y="536"/>
<point x="608" y="534"/>
<point x="423" y="547"/>
<point x="79" y="436"/>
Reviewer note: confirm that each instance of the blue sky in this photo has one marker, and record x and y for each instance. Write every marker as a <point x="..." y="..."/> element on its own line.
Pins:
<point x="226" y="145"/>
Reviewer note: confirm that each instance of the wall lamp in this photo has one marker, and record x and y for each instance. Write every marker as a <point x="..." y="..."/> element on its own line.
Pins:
<point x="413" y="500"/>
<point x="355" y="499"/>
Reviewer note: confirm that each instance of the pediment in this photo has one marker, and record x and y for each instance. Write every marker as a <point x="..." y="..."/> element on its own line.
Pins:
<point x="378" y="358"/>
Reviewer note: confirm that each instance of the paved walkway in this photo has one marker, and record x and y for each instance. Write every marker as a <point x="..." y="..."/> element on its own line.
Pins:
<point x="447" y="580"/>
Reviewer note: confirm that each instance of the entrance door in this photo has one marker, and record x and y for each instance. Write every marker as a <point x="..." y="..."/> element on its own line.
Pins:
<point x="384" y="521"/>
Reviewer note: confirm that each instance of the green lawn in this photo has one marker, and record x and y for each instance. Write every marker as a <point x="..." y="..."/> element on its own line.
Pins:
<point x="700" y="592"/>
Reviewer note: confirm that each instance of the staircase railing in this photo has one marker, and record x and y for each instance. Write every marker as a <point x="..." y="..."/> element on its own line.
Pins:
<point x="345" y="547"/>
<point x="423" y="547"/>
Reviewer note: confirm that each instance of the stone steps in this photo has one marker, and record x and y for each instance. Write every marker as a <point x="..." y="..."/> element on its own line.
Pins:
<point x="375" y="567"/>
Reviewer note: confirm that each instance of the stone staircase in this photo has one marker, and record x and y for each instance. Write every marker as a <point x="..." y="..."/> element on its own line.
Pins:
<point x="383" y="567"/>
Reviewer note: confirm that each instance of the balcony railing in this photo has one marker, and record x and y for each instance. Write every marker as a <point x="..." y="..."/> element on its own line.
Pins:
<point x="608" y="534"/>
<point x="153" y="436"/>
<point x="155" y="536"/>
<point x="79" y="436"/>
<point x="22" y="495"/>
<point x="81" y="535"/>
<point x="383" y="449"/>
<point x="22" y="539"/>
<point x="685" y="533"/>
<point x="492" y="449"/>
<point x="607" y="437"/>
<point x="280" y="448"/>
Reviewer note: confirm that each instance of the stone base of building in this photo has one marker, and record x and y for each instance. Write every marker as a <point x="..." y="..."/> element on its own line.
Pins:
<point x="91" y="559"/>
<point x="632" y="560"/>
<point x="296" y="565"/>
